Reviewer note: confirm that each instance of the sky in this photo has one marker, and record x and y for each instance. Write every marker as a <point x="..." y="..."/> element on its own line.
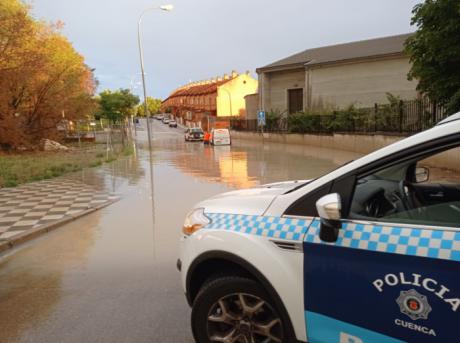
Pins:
<point x="201" y="39"/>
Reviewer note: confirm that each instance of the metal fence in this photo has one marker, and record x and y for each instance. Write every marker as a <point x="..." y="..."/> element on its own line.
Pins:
<point x="402" y="117"/>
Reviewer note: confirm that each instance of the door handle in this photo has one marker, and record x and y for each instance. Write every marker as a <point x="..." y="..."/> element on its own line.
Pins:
<point x="437" y="195"/>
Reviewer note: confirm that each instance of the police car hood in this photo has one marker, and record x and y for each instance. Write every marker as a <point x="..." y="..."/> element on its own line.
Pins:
<point x="251" y="201"/>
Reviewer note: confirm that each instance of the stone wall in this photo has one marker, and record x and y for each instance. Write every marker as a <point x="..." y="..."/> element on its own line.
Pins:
<point x="357" y="143"/>
<point x="363" y="84"/>
<point x="279" y="83"/>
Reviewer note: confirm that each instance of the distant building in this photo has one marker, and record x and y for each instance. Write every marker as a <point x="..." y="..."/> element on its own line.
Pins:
<point x="218" y="97"/>
<point x="359" y="73"/>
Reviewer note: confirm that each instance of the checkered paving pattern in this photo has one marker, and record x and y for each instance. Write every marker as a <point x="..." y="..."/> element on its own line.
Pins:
<point x="440" y="244"/>
<point x="273" y="227"/>
<point x="35" y="204"/>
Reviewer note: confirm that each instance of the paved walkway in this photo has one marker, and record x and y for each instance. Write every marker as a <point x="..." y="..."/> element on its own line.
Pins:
<point x="38" y="204"/>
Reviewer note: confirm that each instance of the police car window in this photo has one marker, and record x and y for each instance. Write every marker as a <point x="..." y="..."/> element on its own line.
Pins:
<point x="412" y="192"/>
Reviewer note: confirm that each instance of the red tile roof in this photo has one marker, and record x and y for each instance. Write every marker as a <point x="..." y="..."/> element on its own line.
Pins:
<point x="197" y="89"/>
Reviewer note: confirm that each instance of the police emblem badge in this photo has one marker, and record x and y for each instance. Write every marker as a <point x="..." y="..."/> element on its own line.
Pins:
<point x="413" y="304"/>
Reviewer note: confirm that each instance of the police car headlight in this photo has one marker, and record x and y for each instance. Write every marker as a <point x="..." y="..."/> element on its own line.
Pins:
<point x="194" y="221"/>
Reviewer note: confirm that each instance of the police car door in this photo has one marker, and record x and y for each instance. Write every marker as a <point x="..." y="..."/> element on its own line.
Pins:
<point x="389" y="271"/>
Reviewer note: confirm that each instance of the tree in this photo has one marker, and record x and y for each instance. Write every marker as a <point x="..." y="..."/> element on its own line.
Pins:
<point x="117" y="105"/>
<point x="434" y="51"/>
<point x="153" y="106"/>
<point x="42" y="78"/>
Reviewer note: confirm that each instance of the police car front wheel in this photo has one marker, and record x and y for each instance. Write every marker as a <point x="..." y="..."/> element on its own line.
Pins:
<point x="236" y="309"/>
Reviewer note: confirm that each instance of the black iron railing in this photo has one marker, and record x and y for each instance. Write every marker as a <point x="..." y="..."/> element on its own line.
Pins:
<point x="403" y="117"/>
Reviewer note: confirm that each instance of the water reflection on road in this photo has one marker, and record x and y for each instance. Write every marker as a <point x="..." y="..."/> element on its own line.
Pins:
<point x="110" y="277"/>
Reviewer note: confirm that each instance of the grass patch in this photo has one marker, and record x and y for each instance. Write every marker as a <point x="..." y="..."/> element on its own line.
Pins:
<point x="16" y="169"/>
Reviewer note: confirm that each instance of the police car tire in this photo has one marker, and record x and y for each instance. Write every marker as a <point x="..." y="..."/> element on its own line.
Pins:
<point x="219" y="287"/>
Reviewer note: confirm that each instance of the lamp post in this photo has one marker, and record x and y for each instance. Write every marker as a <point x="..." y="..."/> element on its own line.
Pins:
<point x="141" y="55"/>
<point x="134" y="86"/>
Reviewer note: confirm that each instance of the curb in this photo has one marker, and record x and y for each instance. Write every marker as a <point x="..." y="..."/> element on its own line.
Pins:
<point x="45" y="228"/>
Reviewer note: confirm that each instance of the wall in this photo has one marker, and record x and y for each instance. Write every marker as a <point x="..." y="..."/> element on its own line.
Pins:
<point x="252" y="105"/>
<point x="361" y="144"/>
<point x="279" y="83"/>
<point x="364" y="83"/>
<point x="238" y="88"/>
<point x="361" y="83"/>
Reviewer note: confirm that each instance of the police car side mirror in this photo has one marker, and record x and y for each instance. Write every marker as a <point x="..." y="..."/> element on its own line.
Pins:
<point x="329" y="209"/>
<point x="422" y="174"/>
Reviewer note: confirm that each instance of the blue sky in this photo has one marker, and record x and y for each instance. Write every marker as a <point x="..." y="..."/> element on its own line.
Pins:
<point x="201" y="39"/>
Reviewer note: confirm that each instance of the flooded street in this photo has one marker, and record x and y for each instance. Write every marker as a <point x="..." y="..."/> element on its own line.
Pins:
<point x="111" y="276"/>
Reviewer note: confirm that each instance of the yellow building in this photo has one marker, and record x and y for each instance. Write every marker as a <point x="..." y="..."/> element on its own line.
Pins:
<point x="219" y="97"/>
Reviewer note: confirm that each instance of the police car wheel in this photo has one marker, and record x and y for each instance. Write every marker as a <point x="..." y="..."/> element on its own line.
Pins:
<point x="236" y="309"/>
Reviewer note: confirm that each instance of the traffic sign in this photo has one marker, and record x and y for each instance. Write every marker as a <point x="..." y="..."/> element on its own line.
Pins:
<point x="261" y="118"/>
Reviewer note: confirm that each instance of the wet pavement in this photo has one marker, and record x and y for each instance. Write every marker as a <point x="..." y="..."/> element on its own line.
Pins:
<point x="111" y="276"/>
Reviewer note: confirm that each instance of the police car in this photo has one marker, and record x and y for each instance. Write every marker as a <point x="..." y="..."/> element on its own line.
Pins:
<point x="367" y="253"/>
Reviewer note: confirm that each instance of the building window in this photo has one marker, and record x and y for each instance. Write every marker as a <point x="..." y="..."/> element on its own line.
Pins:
<point x="295" y="100"/>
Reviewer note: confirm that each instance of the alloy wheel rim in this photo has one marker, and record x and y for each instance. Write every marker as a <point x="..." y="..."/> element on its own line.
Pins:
<point x="243" y="318"/>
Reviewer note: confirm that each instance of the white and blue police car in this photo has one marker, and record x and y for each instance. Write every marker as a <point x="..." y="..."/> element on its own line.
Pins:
<point x="367" y="253"/>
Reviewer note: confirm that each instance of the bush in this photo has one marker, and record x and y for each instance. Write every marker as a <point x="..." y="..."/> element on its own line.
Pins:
<point x="10" y="183"/>
<point x="350" y="119"/>
<point x="303" y="122"/>
<point x="273" y="120"/>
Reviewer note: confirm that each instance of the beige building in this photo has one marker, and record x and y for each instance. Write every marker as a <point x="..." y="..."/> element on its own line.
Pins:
<point x="359" y="73"/>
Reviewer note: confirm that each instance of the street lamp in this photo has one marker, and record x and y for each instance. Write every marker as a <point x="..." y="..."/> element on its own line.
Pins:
<point x="167" y="8"/>
<point x="134" y="85"/>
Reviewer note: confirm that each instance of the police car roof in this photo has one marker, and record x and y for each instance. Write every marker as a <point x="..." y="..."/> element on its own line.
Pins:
<point x="453" y="117"/>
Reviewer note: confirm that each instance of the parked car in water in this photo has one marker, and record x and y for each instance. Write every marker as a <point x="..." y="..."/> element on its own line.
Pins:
<point x="369" y="252"/>
<point x="194" y="134"/>
<point x="172" y="123"/>
<point x="220" y="137"/>
<point x="166" y="120"/>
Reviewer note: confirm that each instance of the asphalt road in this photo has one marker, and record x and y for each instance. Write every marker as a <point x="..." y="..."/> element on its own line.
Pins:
<point x="111" y="276"/>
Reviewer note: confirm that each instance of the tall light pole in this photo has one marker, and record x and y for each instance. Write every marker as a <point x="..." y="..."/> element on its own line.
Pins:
<point x="132" y="87"/>
<point x="167" y="8"/>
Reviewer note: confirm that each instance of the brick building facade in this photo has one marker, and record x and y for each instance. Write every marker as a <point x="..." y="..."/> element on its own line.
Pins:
<point x="199" y="102"/>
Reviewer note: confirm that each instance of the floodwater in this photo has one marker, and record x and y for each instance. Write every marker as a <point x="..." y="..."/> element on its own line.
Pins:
<point x="111" y="276"/>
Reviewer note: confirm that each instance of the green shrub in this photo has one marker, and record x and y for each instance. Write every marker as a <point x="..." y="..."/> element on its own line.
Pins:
<point x="273" y="119"/>
<point x="10" y="183"/>
<point x="303" y="122"/>
<point x="95" y="164"/>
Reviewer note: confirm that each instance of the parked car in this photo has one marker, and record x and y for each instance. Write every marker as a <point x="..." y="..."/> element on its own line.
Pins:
<point x="220" y="137"/>
<point x="160" y="117"/>
<point x="369" y="252"/>
<point x="166" y="120"/>
<point x="173" y="123"/>
<point x="194" y="134"/>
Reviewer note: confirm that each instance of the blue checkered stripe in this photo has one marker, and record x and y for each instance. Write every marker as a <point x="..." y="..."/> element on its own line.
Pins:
<point x="273" y="227"/>
<point x="440" y="244"/>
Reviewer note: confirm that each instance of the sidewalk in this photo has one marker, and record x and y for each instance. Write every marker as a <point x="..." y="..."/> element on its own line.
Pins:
<point x="36" y="208"/>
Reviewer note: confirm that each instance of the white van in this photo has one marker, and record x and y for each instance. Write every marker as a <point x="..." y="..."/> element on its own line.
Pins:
<point x="220" y="137"/>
